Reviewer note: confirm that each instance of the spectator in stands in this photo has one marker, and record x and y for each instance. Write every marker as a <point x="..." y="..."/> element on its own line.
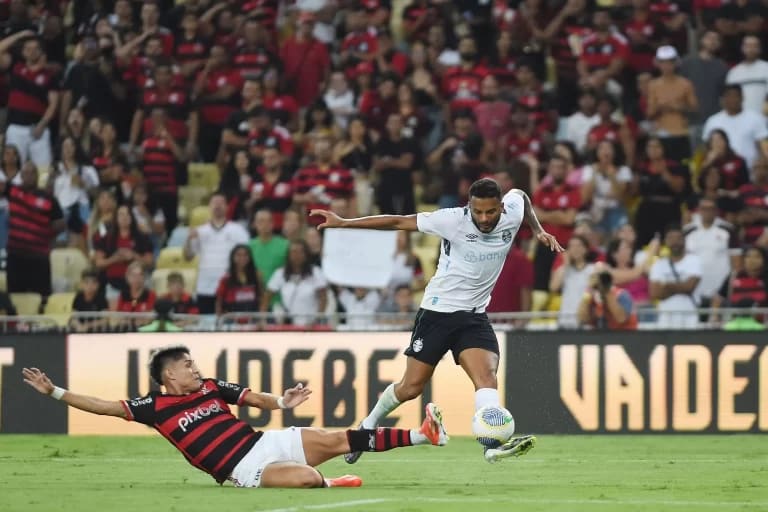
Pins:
<point x="269" y="250"/>
<point x="750" y="75"/>
<point x="662" y="184"/>
<point x="236" y="182"/>
<point x="306" y="62"/>
<point x="606" y="182"/>
<point x="629" y="269"/>
<point x="712" y="240"/>
<point x="746" y="129"/>
<point x="190" y="48"/>
<point x="317" y="184"/>
<point x="74" y="183"/>
<point x="340" y="99"/>
<point x="748" y="284"/>
<point x="731" y="169"/>
<point x="150" y="219"/>
<point x="579" y="124"/>
<point x="135" y="297"/>
<point x="415" y="123"/>
<point x="491" y="112"/>
<point x="239" y="290"/>
<point x="448" y="155"/>
<point x="402" y="307"/>
<point x="407" y="267"/>
<point x="745" y="320"/>
<point x="393" y="162"/>
<point x="556" y="206"/>
<point x="355" y="150"/>
<point x="282" y="107"/>
<point x="462" y="83"/>
<point x="216" y="91"/>
<point x="754" y="217"/>
<point x="513" y="290"/>
<point x="302" y="288"/>
<point x="707" y="73"/>
<point x="571" y="281"/>
<point x="10" y="174"/>
<point x="181" y="302"/>
<point x="272" y="188"/>
<point x="102" y="215"/>
<point x="109" y="160"/>
<point x="604" y="55"/>
<point x="123" y="245"/>
<point x="263" y="133"/>
<point x="33" y="98"/>
<point x="235" y="134"/>
<point x="360" y="305"/>
<point x="162" y="321"/>
<point x="574" y="175"/>
<point x="161" y="158"/>
<point x="213" y="242"/>
<point x="252" y="57"/>
<point x="605" y="306"/>
<point x="314" y="239"/>
<point x="377" y="104"/>
<point x="423" y="77"/>
<point x="293" y="225"/>
<point x="611" y="128"/>
<point x="89" y="299"/>
<point x="671" y="99"/>
<point x="674" y="280"/>
<point x="34" y="222"/>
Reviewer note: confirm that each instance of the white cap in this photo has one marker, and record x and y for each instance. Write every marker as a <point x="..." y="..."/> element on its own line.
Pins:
<point x="666" y="52"/>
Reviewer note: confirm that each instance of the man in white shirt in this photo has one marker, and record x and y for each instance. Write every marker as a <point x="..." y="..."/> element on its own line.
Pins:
<point x="475" y="243"/>
<point x="213" y="242"/>
<point x="746" y="129"/>
<point x="673" y="282"/>
<point x="711" y="240"/>
<point x="751" y="74"/>
<point x="578" y="124"/>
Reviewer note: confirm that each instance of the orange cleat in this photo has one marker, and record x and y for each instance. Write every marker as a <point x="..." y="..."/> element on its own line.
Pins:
<point x="433" y="428"/>
<point x="345" y="481"/>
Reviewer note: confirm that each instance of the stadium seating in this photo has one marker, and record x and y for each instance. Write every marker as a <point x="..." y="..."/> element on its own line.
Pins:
<point x="204" y="175"/>
<point x="27" y="304"/>
<point x="199" y="216"/>
<point x="3" y="281"/>
<point x="173" y="258"/>
<point x="66" y="266"/>
<point x="191" y="196"/>
<point x="160" y="279"/>
<point x="59" y="307"/>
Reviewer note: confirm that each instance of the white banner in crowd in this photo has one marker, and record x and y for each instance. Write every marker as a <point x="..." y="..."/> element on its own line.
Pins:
<point x="359" y="257"/>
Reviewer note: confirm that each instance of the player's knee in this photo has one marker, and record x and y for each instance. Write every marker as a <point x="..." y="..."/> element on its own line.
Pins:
<point x="408" y="390"/>
<point x="310" y="478"/>
<point x="486" y="379"/>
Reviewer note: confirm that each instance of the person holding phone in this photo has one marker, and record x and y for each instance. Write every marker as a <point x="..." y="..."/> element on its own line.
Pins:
<point x="605" y="306"/>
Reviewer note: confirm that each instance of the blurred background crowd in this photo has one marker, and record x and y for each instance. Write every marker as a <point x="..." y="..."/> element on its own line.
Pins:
<point x="161" y="155"/>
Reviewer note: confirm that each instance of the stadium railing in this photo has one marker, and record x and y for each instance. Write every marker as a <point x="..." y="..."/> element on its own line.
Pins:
<point x="232" y="322"/>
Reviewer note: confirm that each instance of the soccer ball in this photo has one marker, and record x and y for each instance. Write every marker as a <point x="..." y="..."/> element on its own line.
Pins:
<point x="492" y="426"/>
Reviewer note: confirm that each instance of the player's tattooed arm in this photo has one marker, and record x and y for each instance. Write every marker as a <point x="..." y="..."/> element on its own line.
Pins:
<point x="533" y="221"/>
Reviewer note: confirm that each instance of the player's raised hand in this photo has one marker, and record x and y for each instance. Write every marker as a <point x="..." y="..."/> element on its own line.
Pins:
<point x="296" y="395"/>
<point x="38" y="380"/>
<point x="331" y="219"/>
<point x="550" y="241"/>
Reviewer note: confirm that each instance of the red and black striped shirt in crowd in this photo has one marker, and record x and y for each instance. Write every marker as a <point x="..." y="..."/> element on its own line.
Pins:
<point x="144" y="303"/>
<point x="200" y="425"/>
<point x="190" y="51"/>
<point x="254" y="62"/>
<point x="28" y="96"/>
<point x="29" y="224"/>
<point x="217" y="111"/>
<point x="754" y="197"/>
<point x="184" y="305"/>
<point x="276" y="195"/>
<point x="238" y="297"/>
<point x="746" y="287"/>
<point x="598" y="52"/>
<point x="462" y="86"/>
<point x="159" y="165"/>
<point x="332" y="182"/>
<point x="175" y="102"/>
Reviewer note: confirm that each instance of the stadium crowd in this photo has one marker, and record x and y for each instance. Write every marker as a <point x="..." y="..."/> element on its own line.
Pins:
<point x="179" y="147"/>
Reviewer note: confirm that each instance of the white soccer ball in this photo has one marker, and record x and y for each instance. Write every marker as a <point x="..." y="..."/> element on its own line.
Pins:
<point x="492" y="426"/>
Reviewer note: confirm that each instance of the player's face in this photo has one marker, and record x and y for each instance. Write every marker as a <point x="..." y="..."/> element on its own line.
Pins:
<point x="486" y="212"/>
<point x="185" y="374"/>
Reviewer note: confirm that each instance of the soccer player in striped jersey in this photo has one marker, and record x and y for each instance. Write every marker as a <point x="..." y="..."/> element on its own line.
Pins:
<point x="193" y="414"/>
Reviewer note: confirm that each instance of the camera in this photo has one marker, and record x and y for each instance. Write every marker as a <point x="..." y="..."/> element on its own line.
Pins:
<point x="605" y="280"/>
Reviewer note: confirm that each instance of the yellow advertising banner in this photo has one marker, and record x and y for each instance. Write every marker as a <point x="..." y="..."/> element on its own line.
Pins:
<point x="346" y="371"/>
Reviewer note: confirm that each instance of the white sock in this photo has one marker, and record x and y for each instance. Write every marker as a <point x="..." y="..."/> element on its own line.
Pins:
<point x="486" y="396"/>
<point x="387" y="403"/>
<point x="418" y="438"/>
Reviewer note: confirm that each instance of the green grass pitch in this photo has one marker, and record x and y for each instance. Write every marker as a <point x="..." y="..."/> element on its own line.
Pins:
<point x="563" y="473"/>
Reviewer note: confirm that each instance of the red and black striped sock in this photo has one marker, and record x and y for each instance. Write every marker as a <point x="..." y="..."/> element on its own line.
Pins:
<point x="378" y="440"/>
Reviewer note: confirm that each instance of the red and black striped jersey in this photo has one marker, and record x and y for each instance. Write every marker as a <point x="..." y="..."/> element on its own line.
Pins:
<point x="175" y="102"/>
<point x="462" y="86"/>
<point x="238" y="297"/>
<point x="332" y="182"/>
<point x="598" y="52"/>
<point x="191" y="50"/>
<point x="253" y="63"/>
<point x="28" y="93"/>
<point x="29" y="224"/>
<point x="200" y="425"/>
<point x="754" y="197"/>
<point x="217" y="111"/>
<point x="746" y="287"/>
<point x="275" y="196"/>
<point x="159" y="165"/>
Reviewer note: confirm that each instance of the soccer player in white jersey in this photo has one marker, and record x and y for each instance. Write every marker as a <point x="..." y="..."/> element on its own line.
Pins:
<point x="476" y="240"/>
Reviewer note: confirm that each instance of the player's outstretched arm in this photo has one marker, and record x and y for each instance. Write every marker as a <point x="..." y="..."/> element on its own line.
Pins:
<point x="43" y="384"/>
<point x="404" y="222"/>
<point x="533" y="221"/>
<point x="290" y="399"/>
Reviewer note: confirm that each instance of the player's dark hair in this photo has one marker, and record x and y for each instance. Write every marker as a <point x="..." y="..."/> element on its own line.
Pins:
<point x="485" y="188"/>
<point x="673" y="227"/>
<point x="160" y="359"/>
<point x="732" y="87"/>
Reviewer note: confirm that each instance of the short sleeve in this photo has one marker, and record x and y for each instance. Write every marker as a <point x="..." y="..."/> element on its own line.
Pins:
<point x="624" y="175"/>
<point x="761" y="130"/>
<point x="694" y="266"/>
<point x="277" y="280"/>
<point x="232" y="393"/>
<point x="442" y="223"/>
<point x="657" y="272"/>
<point x="319" y="278"/>
<point x="513" y="199"/>
<point x="241" y="235"/>
<point x="140" y="410"/>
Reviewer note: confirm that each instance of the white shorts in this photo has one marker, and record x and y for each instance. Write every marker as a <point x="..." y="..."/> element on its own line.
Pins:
<point x="274" y="446"/>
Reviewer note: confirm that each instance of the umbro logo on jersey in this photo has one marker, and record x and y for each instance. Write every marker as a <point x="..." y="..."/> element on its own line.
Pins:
<point x="471" y="237"/>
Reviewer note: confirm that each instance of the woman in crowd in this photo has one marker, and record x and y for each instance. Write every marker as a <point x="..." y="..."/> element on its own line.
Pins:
<point x="10" y="174"/>
<point x="102" y="216"/>
<point x="750" y="284"/>
<point x="110" y="161"/>
<point x="606" y="181"/>
<point x="149" y="217"/>
<point x="239" y="289"/>
<point x="236" y="183"/>
<point x="571" y="279"/>
<point x="630" y="274"/>
<point x="302" y="287"/>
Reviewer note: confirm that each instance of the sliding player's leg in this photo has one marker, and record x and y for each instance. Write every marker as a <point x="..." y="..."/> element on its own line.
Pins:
<point x="291" y="475"/>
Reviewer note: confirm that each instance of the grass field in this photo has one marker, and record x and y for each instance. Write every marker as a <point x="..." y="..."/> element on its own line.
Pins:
<point x="563" y="473"/>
